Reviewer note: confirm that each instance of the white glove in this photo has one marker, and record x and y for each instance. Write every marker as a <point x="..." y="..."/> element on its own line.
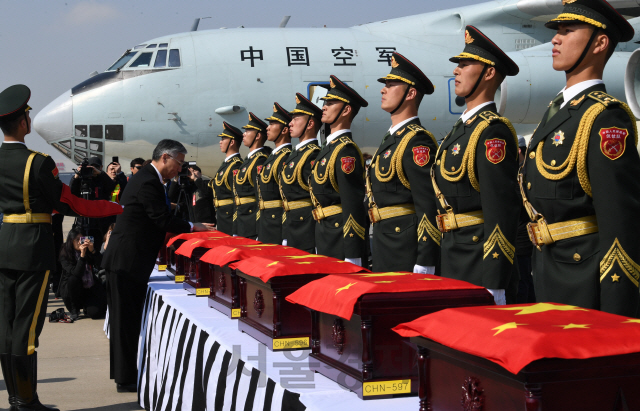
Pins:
<point x="498" y="296"/>
<point x="284" y="242"/>
<point x="356" y="261"/>
<point x="424" y="269"/>
<point x="235" y="235"/>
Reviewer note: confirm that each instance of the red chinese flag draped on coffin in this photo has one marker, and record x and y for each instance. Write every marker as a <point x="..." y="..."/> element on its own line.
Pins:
<point x="227" y="254"/>
<point x="201" y="234"/>
<point x="266" y="268"/>
<point x="338" y="294"/>
<point x="186" y="249"/>
<point x="514" y="336"/>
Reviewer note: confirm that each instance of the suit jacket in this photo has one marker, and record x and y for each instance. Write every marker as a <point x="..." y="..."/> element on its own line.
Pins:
<point x="141" y="228"/>
<point x="599" y="270"/>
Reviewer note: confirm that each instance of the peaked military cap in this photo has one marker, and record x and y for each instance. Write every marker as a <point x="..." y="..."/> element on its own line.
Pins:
<point x="480" y="48"/>
<point x="231" y="132"/>
<point x="13" y="102"/>
<point x="280" y="115"/>
<point x="404" y="70"/>
<point x="342" y="92"/>
<point x="304" y="106"/>
<point x="598" y="13"/>
<point x="256" y="124"/>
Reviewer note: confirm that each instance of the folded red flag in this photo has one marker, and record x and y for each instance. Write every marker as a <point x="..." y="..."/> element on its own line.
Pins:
<point x="516" y="335"/>
<point x="89" y="208"/>
<point x="266" y="268"/>
<point x="188" y="246"/>
<point x="200" y="234"/>
<point x="227" y="254"/>
<point x="338" y="294"/>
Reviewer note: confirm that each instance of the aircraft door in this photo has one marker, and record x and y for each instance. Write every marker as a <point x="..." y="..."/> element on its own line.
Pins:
<point x="456" y="105"/>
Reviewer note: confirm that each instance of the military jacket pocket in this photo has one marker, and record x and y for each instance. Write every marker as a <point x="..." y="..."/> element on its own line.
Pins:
<point x="400" y="225"/>
<point x="469" y="235"/>
<point x="575" y="250"/>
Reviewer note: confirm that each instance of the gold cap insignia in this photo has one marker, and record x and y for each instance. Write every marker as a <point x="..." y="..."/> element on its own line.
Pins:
<point x="394" y="64"/>
<point x="275" y="110"/>
<point x="331" y="83"/>
<point x="249" y="117"/>
<point x="467" y="37"/>
<point x="297" y="100"/>
<point x="565" y="2"/>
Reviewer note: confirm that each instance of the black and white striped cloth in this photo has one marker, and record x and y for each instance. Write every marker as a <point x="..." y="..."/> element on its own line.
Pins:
<point x="182" y="368"/>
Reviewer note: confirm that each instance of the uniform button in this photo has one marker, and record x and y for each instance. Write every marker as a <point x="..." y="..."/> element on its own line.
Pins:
<point x="227" y="213"/>
<point x="577" y="257"/>
<point x="529" y="186"/>
<point x="397" y="229"/>
<point x="249" y="210"/>
<point x="475" y="239"/>
<point x="273" y="216"/>
<point x="453" y="168"/>
<point x="337" y="224"/>
<point x="320" y="175"/>
<point x="438" y="162"/>
<point x="382" y="168"/>
<point x="553" y="162"/>
<point x="532" y="155"/>
<point x="301" y="218"/>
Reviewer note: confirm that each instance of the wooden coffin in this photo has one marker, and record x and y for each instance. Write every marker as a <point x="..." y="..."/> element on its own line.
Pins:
<point x="365" y="355"/>
<point x="225" y="292"/>
<point x="175" y="265"/>
<point x="453" y="380"/>
<point x="194" y="281"/>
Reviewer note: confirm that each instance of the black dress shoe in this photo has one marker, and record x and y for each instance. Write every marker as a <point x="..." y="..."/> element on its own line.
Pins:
<point x="127" y="387"/>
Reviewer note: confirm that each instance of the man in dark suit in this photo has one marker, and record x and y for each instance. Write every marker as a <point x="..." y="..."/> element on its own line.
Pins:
<point x="133" y="247"/>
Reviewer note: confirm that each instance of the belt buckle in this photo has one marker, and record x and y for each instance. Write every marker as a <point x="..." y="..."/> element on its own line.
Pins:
<point x="441" y="221"/>
<point x="374" y="215"/>
<point x="317" y="213"/>
<point x="285" y="205"/>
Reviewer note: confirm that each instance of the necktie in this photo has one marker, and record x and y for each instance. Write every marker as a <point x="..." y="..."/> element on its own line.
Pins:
<point x="456" y="127"/>
<point x="385" y="137"/>
<point x="555" y="106"/>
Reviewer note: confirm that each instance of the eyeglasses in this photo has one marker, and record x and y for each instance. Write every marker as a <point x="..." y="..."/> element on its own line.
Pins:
<point x="181" y="163"/>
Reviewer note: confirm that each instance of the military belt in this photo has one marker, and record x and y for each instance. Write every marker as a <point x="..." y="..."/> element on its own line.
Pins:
<point x="452" y="221"/>
<point x="29" y="218"/>
<point x="292" y="205"/>
<point x="541" y="233"/>
<point x="221" y="203"/>
<point x="270" y="204"/>
<point x="378" y="214"/>
<point x="245" y="200"/>
<point x="320" y="213"/>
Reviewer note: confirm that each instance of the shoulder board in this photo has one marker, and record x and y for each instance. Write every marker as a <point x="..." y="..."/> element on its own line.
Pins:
<point x="489" y="116"/>
<point x="604" y="98"/>
<point x="237" y="159"/>
<point x="346" y="140"/>
<point x="312" y="146"/>
<point x="416" y="128"/>
<point x="37" y="152"/>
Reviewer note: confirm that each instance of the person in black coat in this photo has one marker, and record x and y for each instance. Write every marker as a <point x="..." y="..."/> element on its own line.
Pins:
<point x="133" y="247"/>
<point x="79" y="287"/>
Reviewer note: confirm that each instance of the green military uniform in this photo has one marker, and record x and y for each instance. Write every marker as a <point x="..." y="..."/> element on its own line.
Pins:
<point x="475" y="175"/>
<point x="298" y="224"/>
<point x="222" y="183"/>
<point x="244" y="185"/>
<point x="582" y="183"/>
<point x="337" y="187"/>
<point x="270" y="201"/>
<point x="402" y="205"/>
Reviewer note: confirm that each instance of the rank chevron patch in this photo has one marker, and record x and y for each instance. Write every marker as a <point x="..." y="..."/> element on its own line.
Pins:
<point x="626" y="264"/>
<point x="425" y="225"/>
<point x="505" y="246"/>
<point x="351" y="224"/>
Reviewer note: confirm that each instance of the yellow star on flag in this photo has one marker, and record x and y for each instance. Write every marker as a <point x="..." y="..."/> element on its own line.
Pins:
<point x="540" y="308"/>
<point x="298" y="257"/>
<point x="367" y="275"/>
<point x="384" y="282"/>
<point x="569" y="326"/>
<point x="632" y="320"/>
<point x="305" y="262"/>
<point x="429" y="279"/>
<point x="346" y="287"/>
<point x="273" y="263"/>
<point x="504" y="327"/>
<point x="232" y="251"/>
<point x="615" y="278"/>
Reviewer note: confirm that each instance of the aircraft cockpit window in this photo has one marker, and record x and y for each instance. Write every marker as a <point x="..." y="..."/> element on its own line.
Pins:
<point x="151" y="46"/>
<point x="139" y="46"/>
<point x="142" y="61"/>
<point x="174" y="58"/>
<point x="114" y="132"/>
<point x="161" y="59"/>
<point x="163" y="45"/>
<point x="122" y="61"/>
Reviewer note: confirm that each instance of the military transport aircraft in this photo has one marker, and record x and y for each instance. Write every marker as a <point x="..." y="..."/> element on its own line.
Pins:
<point x="183" y="86"/>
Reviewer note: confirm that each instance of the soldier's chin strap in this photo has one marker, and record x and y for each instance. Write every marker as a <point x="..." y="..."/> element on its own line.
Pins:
<point x="339" y="114"/>
<point x="27" y="120"/>
<point x="584" y="52"/>
<point x="475" y="87"/>
<point x="406" y="92"/>
<point x="254" y="138"/>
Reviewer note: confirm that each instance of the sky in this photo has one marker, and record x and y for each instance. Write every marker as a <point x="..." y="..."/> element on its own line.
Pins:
<point x="52" y="45"/>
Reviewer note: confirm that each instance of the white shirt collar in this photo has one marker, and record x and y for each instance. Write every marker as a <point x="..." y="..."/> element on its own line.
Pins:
<point x="470" y="113"/>
<point x="252" y="152"/>
<point x="304" y="143"/>
<point x="159" y="175"/>
<point x="395" y="128"/>
<point x="338" y="133"/>
<point x="14" y="142"/>
<point x="280" y="147"/>
<point x="570" y="93"/>
<point x="226" y="160"/>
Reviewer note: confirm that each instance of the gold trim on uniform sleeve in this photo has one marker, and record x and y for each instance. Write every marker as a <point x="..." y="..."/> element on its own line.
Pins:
<point x="626" y="263"/>
<point x="505" y="246"/>
<point x="31" y="344"/>
<point x="425" y="225"/>
<point x="352" y="224"/>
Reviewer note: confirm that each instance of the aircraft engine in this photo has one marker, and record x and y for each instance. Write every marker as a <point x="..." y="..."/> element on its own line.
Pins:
<point x="632" y="82"/>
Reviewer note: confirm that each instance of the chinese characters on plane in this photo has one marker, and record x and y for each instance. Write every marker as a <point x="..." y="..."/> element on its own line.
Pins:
<point x="299" y="56"/>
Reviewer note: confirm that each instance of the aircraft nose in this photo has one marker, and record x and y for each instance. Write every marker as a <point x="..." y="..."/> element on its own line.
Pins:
<point x="55" y="121"/>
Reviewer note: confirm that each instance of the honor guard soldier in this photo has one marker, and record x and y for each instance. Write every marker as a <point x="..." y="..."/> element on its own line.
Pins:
<point x="246" y="197"/>
<point x="337" y="181"/>
<point x="30" y="191"/>
<point x="402" y="205"/>
<point x="475" y="176"/>
<point x="270" y="201"/>
<point x="222" y="183"/>
<point x="298" y="224"/>
<point x="582" y="189"/>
